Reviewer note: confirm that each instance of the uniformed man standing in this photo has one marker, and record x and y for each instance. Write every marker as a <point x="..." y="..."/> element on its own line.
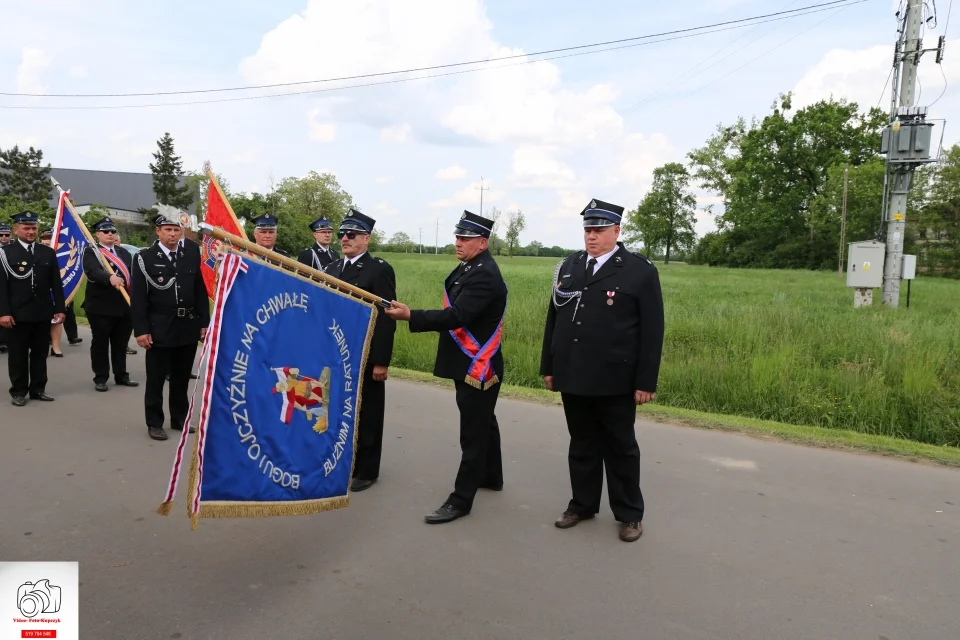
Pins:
<point x="31" y="295"/>
<point x="170" y="316"/>
<point x="601" y="351"/>
<point x="4" y="240"/>
<point x="321" y="253"/>
<point x="107" y="311"/>
<point x="265" y="234"/>
<point x="374" y="275"/>
<point x="475" y="300"/>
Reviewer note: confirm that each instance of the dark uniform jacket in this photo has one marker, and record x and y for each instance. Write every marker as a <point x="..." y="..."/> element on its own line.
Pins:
<point x="614" y="343"/>
<point x="478" y="300"/>
<point x="101" y="297"/>
<point x="375" y="276"/>
<point x="39" y="295"/>
<point x="319" y="259"/>
<point x="168" y="302"/>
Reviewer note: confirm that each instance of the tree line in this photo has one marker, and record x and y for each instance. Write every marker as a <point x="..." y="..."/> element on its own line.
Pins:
<point x="780" y="182"/>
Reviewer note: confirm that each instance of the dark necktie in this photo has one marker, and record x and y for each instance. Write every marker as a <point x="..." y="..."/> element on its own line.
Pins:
<point x="591" y="263"/>
<point x="30" y="248"/>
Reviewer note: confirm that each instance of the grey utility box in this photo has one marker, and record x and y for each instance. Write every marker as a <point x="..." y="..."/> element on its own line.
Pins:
<point x="908" y="268"/>
<point x="907" y="140"/>
<point x="865" y="264"/>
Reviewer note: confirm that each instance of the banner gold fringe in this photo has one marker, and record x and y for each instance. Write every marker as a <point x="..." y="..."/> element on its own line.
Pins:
<point x="165" y="508"/>
<point x="270" y="509"/>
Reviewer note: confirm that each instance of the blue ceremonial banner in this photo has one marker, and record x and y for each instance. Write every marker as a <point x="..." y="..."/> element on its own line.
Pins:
<point x="281" y="393"/>
<point x="69" y="241"/>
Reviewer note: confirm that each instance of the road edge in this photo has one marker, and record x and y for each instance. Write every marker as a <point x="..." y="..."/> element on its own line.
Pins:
<point x="819" y="437"/>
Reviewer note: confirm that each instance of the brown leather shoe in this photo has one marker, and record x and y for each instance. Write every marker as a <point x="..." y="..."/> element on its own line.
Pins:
<point x="630" y="531"/>
<point x="570" y="519"/>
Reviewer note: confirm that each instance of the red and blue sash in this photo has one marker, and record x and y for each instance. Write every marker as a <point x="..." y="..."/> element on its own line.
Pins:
<point x="118" y="265"/>
<point x="480" y="372"/>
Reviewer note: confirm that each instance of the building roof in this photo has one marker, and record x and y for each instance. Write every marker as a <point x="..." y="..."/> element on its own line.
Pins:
<point x="113" y="189"/>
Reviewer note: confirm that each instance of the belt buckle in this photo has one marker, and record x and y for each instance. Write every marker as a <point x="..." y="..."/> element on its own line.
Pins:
<point x="181" y="312"/>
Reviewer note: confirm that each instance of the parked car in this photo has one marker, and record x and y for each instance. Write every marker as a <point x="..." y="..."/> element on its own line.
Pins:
<point x="132" y="249"/>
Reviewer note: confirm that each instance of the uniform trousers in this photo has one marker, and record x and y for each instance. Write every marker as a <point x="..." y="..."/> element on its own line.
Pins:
<point x="27" y="360"/>
<point x="70" y="324"/>
<point x="370" y="438"/>
<point x="480" y="463"/>
<point x="602" y="435"/>
<point x="178" y="363"/>
<point x="109" y="343"/>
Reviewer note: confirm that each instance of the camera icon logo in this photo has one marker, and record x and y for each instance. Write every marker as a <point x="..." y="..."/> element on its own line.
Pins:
<point x="34" y="598"/>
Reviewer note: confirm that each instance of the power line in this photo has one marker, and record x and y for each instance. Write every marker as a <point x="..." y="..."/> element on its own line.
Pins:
<point x="425" y="77"/>
<point x="800" y="10"/>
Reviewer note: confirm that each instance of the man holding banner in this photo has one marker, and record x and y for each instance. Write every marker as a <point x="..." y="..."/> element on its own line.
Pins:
<point x="374" y="275"/>
<point x="106" y="307"/>
<point x="170" y="316"/>
<point x="31" y="295"/>
<point x="470" y="326"/>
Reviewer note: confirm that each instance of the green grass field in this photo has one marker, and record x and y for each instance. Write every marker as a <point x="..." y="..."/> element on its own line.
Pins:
<point x="785" y="346"/>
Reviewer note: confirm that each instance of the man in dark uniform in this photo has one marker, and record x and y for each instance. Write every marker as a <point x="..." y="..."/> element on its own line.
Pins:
<point x="170" y="316"/>
<point x="475" y="300"/>
<point x="5" y="239"/>
<point x="601" y="350"/>
<point x="107" y="311"/>
<point x="265" y="234"/>
<point x="359" y="268"/>
<point x="321" y="253"/>
<point x="31" y="295"/>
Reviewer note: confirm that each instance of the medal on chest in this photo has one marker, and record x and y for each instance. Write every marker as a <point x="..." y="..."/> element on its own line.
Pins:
<point x="610" y="295"/>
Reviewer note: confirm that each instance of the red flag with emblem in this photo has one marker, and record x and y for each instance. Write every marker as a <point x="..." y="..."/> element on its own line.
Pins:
<point x="219" y="214"/>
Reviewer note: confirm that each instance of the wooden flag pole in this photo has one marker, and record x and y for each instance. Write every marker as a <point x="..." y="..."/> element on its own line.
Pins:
<point x="291" y="264"/>
<point x="93" y="242"/>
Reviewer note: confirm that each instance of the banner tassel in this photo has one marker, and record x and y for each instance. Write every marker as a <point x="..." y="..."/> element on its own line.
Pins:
<point x="165" y="508"/>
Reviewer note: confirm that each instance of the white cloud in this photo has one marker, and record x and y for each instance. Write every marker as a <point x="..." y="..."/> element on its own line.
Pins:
<point x="384" y="180"/>
<point x="469" y="197"/>
<point x="396" y="134"/>
<point x="517" y="103"/>
<point x="32" y="64"/>
<point x="320" y="131"/>
<point x="858" y="74"/>
<point x="536" y="167"/>
<point x="638" y="155"/>
<point x="383" y="209"/>
<point x="79" y="71"/>
<point x="453" y="172"/>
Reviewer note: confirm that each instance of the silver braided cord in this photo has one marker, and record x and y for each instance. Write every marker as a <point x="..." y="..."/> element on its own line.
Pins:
<point x="568" y="296"/>
<point x="150" y="281"/>
<point x="6" y="266"/>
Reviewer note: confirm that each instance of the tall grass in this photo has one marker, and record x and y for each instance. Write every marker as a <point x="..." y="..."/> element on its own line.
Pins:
<point x="778" y="345"/>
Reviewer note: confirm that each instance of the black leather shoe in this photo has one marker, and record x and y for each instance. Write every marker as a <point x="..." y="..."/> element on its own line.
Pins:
<point x="179" y="427"/>
<point x="492" y="487"/>
<point x="127" y="383"/>
<point x="100" y="386"/>
<point x="19" y="401"/>
<point x="76" y="341"/>
<point x="446" y="513"/>
<point x="41" y="396"/>
<point x="360" y="485"/>
<point x="157" y="433"/>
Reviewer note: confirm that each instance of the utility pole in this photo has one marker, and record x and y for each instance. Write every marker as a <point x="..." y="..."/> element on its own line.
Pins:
<point x="481" y="194"/>
<point x="843" y="219"/>
<point x="436" y="240"/>
<point x="906" y="142"/>
<point x="421" y="240"/>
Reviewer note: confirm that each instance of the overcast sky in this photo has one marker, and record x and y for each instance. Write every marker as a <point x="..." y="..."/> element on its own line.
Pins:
<point x="546" y="137"/>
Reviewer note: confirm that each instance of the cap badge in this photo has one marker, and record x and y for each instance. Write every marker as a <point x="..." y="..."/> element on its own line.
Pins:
<point x="593" y="204"/>
<point x="463" y="217"/>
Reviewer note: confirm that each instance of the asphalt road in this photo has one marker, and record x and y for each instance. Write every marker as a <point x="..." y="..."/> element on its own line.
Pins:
<point x="743" y="538"/>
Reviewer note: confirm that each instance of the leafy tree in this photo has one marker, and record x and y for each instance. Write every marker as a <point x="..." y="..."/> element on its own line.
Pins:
<point x="23" y="176"/>
<point x="770" y="172"/>
<point x="515" y="224"/>
<point x="167" y="172"/>
<point x="938" y="218"/>
<point x="300" y="201"/>
<point x="401" y="241"/>
<point x="664" y="218"/>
